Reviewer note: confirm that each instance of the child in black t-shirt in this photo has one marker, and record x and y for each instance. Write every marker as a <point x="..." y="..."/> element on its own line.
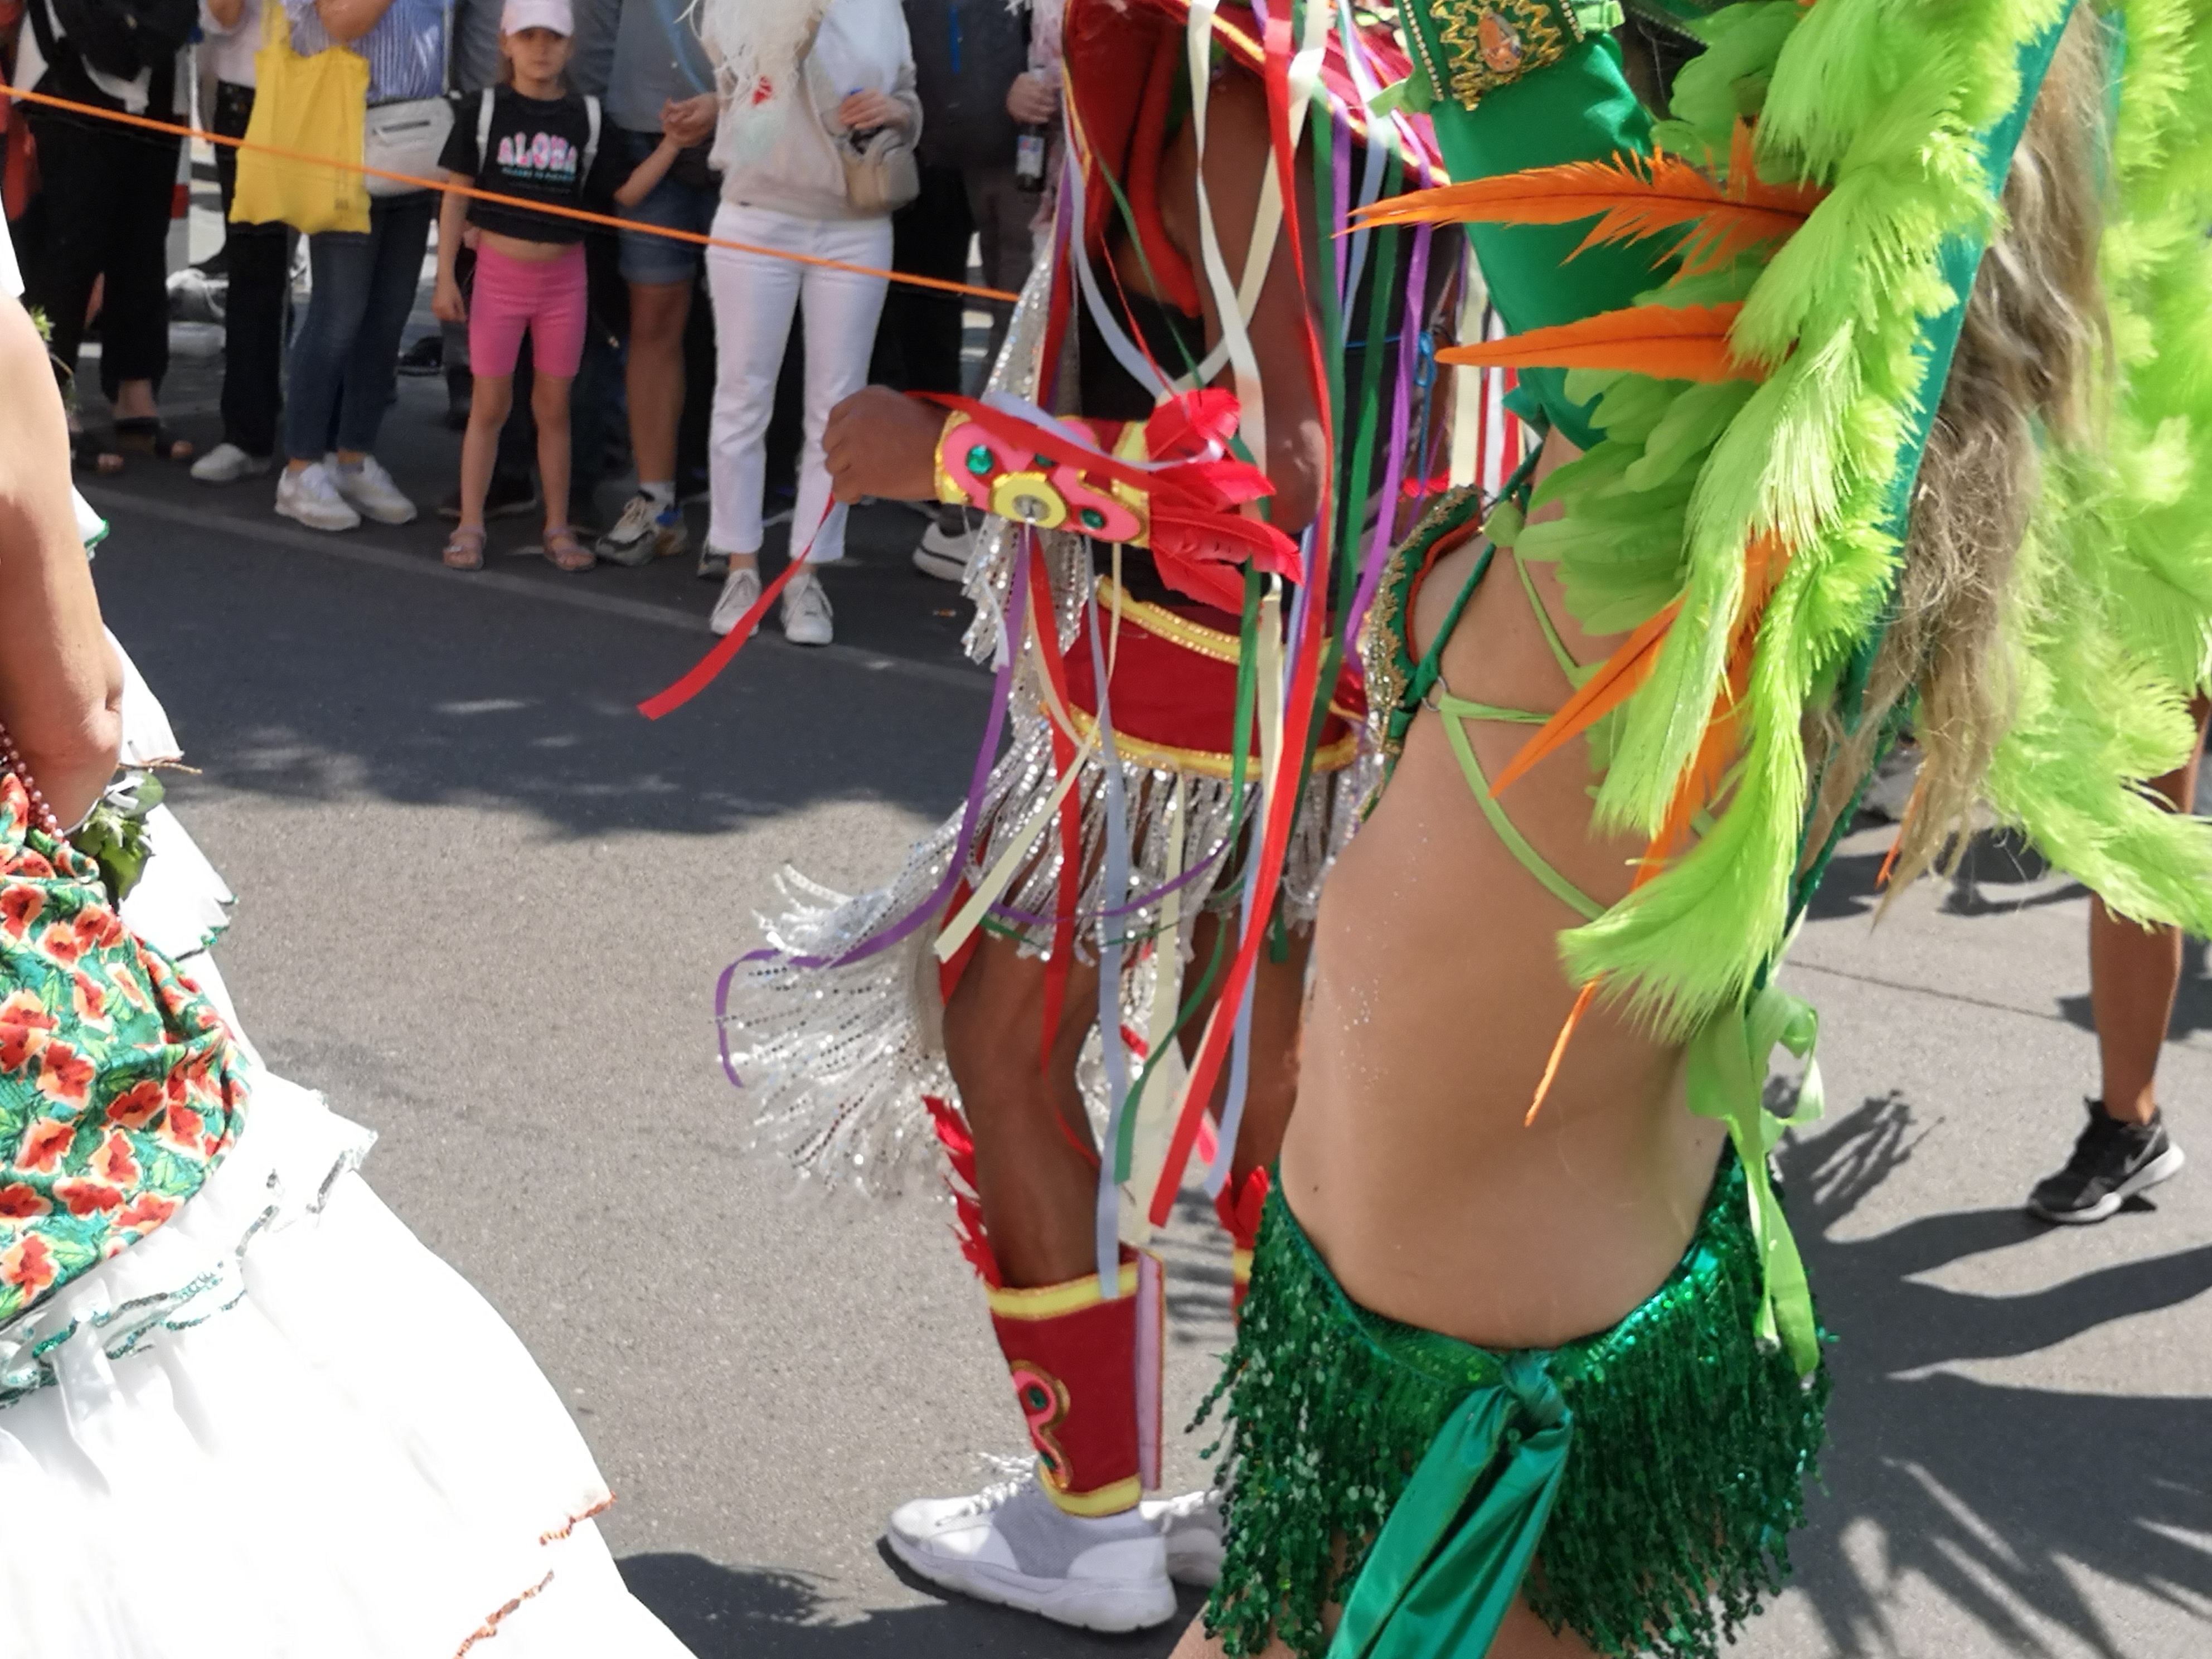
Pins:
<point x="534" y="140"/>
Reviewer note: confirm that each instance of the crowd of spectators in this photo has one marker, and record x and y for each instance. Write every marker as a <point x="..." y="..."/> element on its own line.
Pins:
<point x="573" y="354"/>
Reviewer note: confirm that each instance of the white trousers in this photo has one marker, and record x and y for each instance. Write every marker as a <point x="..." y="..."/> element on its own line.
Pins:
<point x="754" y="295"/>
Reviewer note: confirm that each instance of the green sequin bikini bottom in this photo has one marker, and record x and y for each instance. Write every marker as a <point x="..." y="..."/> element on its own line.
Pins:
<point x="1668" y="1512"/>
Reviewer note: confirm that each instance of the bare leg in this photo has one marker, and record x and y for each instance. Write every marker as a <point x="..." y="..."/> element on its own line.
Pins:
<point x="1037" y="1186"/>
<point x="1278" y="1004"/>
<point x="549" y="403"/>
<point x="654" y="375"/>
<point x="488" y="407"/>
<point x="2134" y="972"/>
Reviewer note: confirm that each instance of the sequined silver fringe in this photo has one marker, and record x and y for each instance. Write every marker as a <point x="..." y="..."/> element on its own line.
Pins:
<point x="835" y="1060"/>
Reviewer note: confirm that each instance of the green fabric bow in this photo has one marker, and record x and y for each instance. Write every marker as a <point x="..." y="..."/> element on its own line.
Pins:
<point x="1727" y="1079"/>
<point x="1449" y="1560"/>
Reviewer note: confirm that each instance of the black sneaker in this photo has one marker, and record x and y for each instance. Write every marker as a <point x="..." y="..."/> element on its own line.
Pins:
<point x="2112" y="1161"/>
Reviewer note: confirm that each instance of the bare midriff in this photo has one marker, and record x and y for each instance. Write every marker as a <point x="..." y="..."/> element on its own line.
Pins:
<point x="516" y="248"/>
<point x="1436" y="999"/>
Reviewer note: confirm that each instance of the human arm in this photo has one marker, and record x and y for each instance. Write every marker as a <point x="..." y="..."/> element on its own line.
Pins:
<point x="348" y="20"/>
<point x="1239" y="155"/>
<point x="447" y="304"/>
<point x="61" y="687"/>
<point x="223" y="15"/>
<point x="642" y="177"/>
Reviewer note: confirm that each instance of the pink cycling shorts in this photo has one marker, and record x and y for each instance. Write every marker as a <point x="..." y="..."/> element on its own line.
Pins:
<point x="545" y="296"/>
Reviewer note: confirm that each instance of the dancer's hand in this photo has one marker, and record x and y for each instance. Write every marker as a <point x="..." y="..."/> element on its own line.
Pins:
<point x="879" y="442"/>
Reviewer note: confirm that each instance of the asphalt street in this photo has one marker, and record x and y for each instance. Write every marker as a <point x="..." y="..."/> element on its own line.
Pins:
<point x="482" y="906"/>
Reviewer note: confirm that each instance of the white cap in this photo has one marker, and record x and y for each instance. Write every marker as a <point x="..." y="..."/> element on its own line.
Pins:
<point x="517" y="16"/>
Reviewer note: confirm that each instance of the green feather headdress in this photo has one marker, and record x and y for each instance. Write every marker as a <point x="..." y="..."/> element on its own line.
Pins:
<point x="1834" y="172"/>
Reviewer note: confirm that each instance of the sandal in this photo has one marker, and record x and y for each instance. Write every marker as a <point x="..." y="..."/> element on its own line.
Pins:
<point x="89" y="453"/>
<point x="147" y="433"/>
<point x="464" y="548"/>
<point x="565" y="551"/>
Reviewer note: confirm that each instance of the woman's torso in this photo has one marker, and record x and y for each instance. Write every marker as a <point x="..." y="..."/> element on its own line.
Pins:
<point x="792" y="166"/>
<point x="1436" y="999"/>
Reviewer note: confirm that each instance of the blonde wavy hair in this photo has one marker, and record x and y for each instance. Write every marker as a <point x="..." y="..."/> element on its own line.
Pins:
<point x="2032" y="365"/>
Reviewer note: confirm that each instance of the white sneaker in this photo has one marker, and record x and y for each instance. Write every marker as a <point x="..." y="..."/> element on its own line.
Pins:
<point x="741" y="592"/>
<point x="1012" y="1545"/>
<point x="807" y="611"/>
<point x="944" y="555"/>
<point x="1190" y="1526"/>
<point x="370" y="487"/>
<point x="227" y="463"/>
<point x="310" y="497"/>
<point x="644" y="533"/>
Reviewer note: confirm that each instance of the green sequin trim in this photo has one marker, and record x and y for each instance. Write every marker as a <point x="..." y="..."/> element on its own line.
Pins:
<point x="1691" y="1448"/>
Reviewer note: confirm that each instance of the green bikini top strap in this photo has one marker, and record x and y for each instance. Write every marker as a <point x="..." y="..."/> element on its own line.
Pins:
<point x="1456" y="712"/>
<point x="1575" y="671"/>
<point x="1428" y="672"/>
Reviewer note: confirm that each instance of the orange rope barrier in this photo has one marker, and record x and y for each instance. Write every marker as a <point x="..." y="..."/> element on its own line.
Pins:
<point x="580" y="214"/>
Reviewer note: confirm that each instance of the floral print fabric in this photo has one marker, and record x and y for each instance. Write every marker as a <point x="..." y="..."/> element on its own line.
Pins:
<point x="119" y="1088"/>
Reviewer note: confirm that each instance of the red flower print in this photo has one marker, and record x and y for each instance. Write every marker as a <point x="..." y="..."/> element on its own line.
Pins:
<point x="115" y="1161"/>
<point x="19" y="1202"/>
<point x="97" y="927"/>
<point x="24" y="1023"/>
<point x="136" y="1106"/>
<point x="31" y="865"/>
<point x="91" y="1000"/>
<point x="28" y="1265"/>
<point x="65" y="1075"/>
<point x="88" y="1197"/>
<point x="60" y="943"/>
<point x="146" y="1212"/>
<point x="183" y="1127"/>
<point x="19" y="904"/>
<point x="44" y="1143"/>
<point x="126" y="986"/>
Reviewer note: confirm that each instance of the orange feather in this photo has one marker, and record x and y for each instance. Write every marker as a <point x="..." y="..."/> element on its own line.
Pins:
<point x="1764" y="561"/>
<point x="1631" y="196"/>
<point x="1614" y="683"/>
<point x="1559" y="1050"/>
<point x="1668" y="343"/>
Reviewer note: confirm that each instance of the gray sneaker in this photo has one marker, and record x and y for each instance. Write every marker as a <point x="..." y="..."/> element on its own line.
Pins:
<point x="1012" y="1545"/>
<point x="741" y="592"/>
<point x="806" y="618"/>
<point x="644" y="533"/>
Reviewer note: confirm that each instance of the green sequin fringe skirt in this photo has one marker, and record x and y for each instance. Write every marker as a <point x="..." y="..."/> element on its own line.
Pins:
<point x="1691" y="1448"/>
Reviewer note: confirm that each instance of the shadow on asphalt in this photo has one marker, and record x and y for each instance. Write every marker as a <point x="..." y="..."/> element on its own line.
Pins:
<point x="311" y="678"/>
<point x="1999" y="1497"/>
<point x="764" y="1612"/>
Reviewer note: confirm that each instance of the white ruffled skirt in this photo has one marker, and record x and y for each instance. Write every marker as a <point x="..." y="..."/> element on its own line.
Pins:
<point x="280" y="1428"/>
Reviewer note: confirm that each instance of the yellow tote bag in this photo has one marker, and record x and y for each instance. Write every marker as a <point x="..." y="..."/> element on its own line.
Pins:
<point x="311" y="106"/>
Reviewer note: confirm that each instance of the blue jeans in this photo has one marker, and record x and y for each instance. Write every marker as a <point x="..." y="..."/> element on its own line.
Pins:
<point x="344" y="358"/>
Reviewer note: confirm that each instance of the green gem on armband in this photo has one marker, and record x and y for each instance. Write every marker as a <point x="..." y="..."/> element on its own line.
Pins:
<point x="978" y="461"/>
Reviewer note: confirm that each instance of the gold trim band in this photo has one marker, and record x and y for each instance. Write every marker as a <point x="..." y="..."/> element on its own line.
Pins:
<point x="1051" y="1301"/>
<point x="1107" y="1500"/>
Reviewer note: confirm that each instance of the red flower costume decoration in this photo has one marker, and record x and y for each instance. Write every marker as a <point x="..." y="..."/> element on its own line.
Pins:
<point x="1170" y="485"/>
